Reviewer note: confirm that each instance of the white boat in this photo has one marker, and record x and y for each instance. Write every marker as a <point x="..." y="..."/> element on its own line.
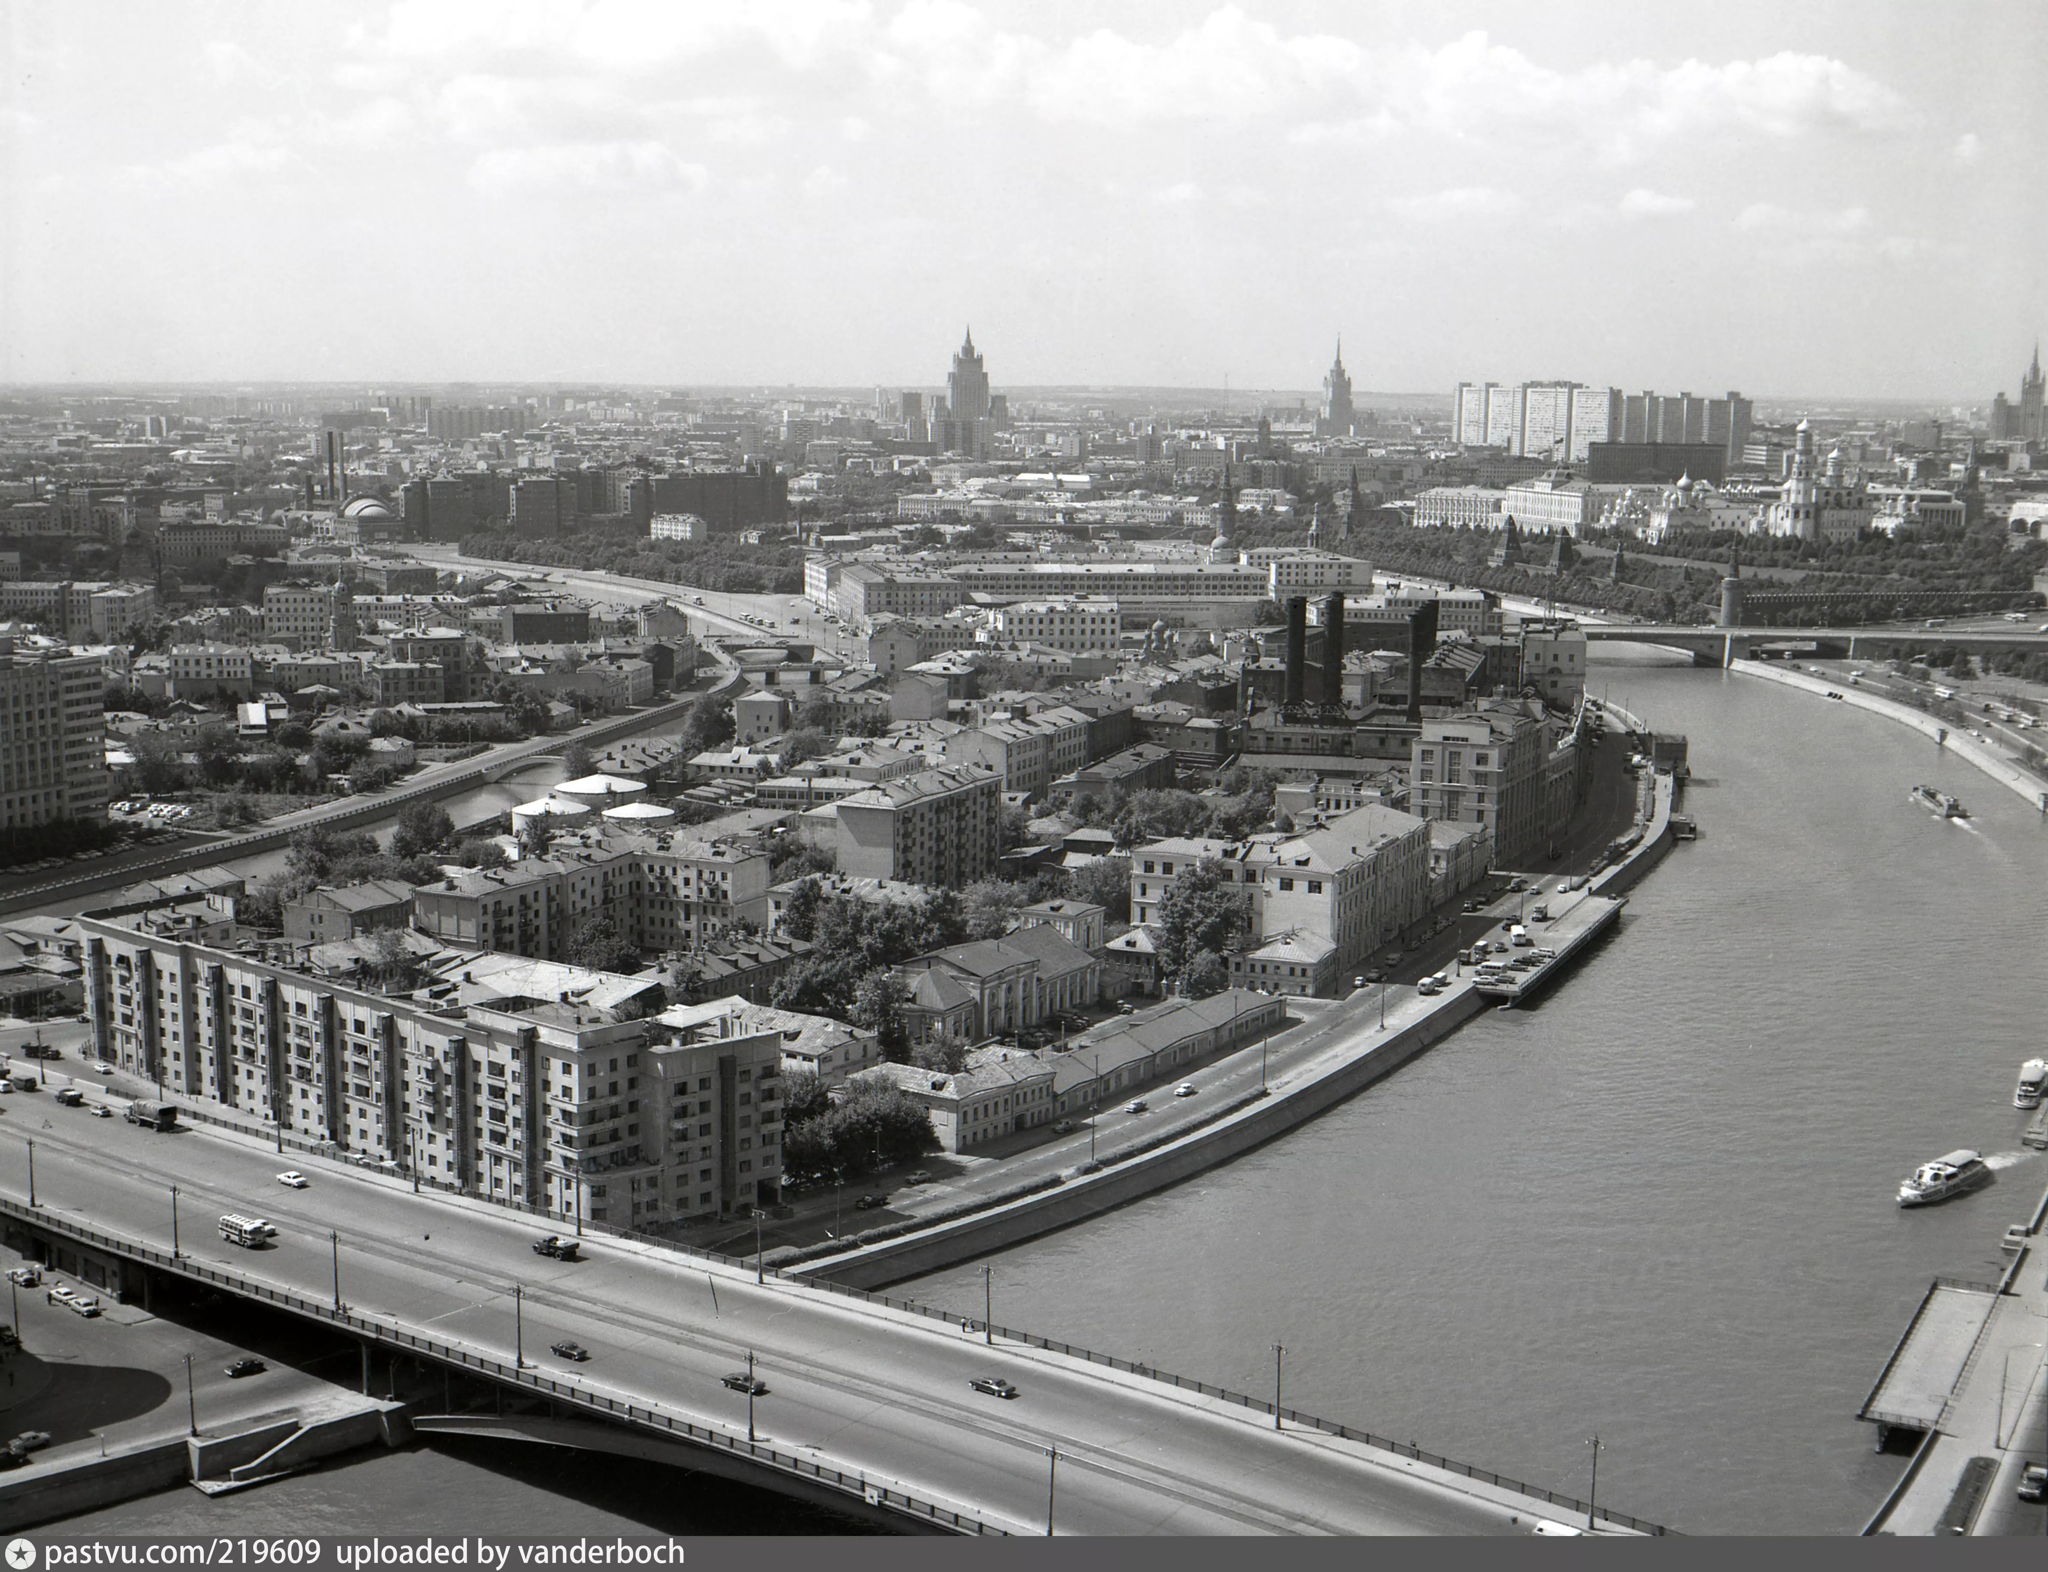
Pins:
<point x="1939" y="803"/>
<point x="1955" y="1174"/>
<point x="2033" y="1084"/>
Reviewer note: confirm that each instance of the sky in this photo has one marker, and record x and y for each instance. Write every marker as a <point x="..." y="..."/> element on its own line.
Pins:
<point x="1781" y="198"/>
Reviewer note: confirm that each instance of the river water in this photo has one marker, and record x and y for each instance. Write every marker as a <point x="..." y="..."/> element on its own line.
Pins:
<point x="1657" y="1207"/>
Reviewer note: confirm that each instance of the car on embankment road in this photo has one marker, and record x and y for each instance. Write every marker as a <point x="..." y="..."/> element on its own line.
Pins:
<point x="746" y="1381"/>
<point x="993" y="1386"/>
<point x="576" y="1353"/>
<point x="246" y="1366"/>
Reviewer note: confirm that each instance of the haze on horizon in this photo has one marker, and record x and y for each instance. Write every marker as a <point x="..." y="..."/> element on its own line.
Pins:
<point x="1826" y="196"/>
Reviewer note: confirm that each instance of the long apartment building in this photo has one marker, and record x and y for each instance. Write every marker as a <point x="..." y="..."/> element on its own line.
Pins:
<point x="662" y="892"/>
<point x="549" y="1101"/>
<point x="1030" y="752"/>
<point x="52" y="735"/>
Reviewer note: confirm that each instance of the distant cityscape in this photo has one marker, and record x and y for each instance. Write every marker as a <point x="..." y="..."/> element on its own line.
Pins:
<point x="1073" y="710"/>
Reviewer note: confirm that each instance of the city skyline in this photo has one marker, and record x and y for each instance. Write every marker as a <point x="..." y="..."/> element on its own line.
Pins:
<point x="1128" y="195"/>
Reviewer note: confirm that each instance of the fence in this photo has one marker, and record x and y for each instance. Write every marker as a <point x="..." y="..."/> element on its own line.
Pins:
<point x="577" y="1397"/>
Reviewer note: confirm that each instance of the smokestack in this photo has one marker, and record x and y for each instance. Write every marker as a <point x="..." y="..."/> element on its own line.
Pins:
<point x="1421" y="645"/>
<point x="1333" y="650"/>
<point x="1297" y="651"/>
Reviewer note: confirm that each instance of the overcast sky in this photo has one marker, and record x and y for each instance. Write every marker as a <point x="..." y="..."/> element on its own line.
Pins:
<point x="1785" y="197"/>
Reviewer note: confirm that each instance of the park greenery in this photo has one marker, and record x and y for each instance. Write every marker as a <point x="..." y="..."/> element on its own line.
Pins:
<point x="619" y="546"/>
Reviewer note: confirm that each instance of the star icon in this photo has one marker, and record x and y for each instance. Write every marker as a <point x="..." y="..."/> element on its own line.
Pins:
<point x="21" y="1554"/>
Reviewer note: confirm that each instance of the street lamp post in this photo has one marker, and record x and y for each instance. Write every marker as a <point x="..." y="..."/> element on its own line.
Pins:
<point x="758" y="1272"/>
<point x="1279" y="1359"/>
<point x="1052" y="1480"/>
<point x="175" y="1252"/>
<point x="750" y="1396"/>
<point x="1383" y="1006"/>
<point x="1593" y="1490"/>
<point x="14" y="1293"/>
<point x="988" y="1331"/>
<point x="32" y="1173"/>
<point x="334" y="1246"/>
<point x="191" y="1402"/>
<point x="518" y="1327"/>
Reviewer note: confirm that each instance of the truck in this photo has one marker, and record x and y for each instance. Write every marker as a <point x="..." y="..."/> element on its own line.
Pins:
<point x="558" y="1247"/>
<point x="70" y="1097"/>
<point x="249" y="1232"/>
<point x="24" y="1080"/>
<point x="148" y="1111"/>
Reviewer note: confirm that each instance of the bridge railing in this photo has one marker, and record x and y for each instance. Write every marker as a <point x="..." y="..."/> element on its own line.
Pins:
<point x="1408" y="1449"/>
<point x="874" y="1493"/>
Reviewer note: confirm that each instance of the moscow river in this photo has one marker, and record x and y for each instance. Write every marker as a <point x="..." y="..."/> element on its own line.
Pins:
<point x="1657" y="1207"/>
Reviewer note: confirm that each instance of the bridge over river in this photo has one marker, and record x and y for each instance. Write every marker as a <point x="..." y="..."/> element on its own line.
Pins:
<point x="1717" y="646"/>
<point x="864" y="1397"/>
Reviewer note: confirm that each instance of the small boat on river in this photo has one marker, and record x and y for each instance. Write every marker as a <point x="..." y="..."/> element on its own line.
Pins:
<point x="1939" y="803"/>
<point x="2033" y="1084"/>
<point x="1956" y="1174"/>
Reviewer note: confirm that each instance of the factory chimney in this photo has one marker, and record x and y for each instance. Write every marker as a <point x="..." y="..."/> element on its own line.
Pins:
<point x="1293" y="692"/>
<point x="1333" y="650"/>
<point x="1421" y="645"/>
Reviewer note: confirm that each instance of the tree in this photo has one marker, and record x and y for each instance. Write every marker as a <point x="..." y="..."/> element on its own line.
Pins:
<point x="1202" y="914"/>
<point x="708" y="725"/>
<point x="576" y="762"/>
<point x="818" y="714"/>
<point x="599" y="945"/>
<point x="943" y="1053"/>
<point x="423" y="827"/>
<point x="878" y="1003"/>
<point x="800" y="913"/>
<point x="802" y="744"/>
<point x="1208" y="973"/>
<point x="481" y="851"/>
<point x="1014" y="827"/>
<point x="1105" y="882"/>
<point x="804" y="1096"/>
<point x="792" y="857"/>
<point x="990" y="906"/>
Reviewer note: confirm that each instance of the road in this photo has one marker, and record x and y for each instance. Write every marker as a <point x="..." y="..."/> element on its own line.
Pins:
<point x="854" y="1386"/>
<point x="720" y="612"/>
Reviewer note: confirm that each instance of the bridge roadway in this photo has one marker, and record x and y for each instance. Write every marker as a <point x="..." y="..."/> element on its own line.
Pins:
<point x="1715" y="640"/>
<point x="854" y="1385"/>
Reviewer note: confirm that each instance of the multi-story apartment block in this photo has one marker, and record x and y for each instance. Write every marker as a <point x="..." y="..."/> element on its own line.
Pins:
<point x="201" y="669"/>
<point x="293" y="672"/>
<point x="1030" y="752"/>
<point x="663" y="892"/>
<point x="52" y="746"/>
<point x="1554" y="662"/>
<point x="1485" y="767"/>
<point x="1467" y="507"/>
<point x="941" y="827"/>
<point x="1321" y="900"/>
<point x="115" y="609"/>
<point x="300" y="615"/>
<point x="547" y="1101"/>
<point x="1077" y="626"/>
<point x="183" y="544"/>
<point x="677" y="526"/>
<point x="394" y="682"/>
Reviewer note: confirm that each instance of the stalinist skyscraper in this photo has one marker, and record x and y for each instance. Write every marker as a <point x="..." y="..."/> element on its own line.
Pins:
<point x="1338" y="417"/>
<point x="965" y="423"/>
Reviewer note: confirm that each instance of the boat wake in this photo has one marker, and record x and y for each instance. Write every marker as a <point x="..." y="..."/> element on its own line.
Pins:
<point x="2006" y="1159"/>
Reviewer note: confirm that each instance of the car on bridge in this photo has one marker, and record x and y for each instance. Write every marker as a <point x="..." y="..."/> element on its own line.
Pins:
<point x="994" y="1386"/>
<point x="746" y="1381"/>
<point x="555" y="1245"/>
<point x="292" y="1179"/>
<point x="574" y="1352"/>
<point x="248" y="1365"/>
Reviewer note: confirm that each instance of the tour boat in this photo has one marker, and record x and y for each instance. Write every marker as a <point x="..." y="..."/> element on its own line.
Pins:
<point x="1939" y="802"/>
<point x="1954" y="1174"/>
<point x="2033" y="1084"/>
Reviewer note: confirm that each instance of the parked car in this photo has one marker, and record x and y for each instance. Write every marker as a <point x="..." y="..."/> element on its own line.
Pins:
<point x="746" y="1381"/>
<point x="574" y="1352"/>
<point x="2033" y="1484"/>
<point x="994" y="1386"/>
<point x="83" y="1304"/>
<point x="248" y="1365"/>
<point x="292" y="1179"/>
<point x="30" y="1276"/>
<point x="29" y="1441"/>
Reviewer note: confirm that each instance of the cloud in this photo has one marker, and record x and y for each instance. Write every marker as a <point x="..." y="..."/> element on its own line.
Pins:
<point x="239" y="161"/>
<point x="586" y="166"/>
<point x="1969" y="148"/>
<point x="1655" y="204"/>
<point x="1458" y="202"/>
<point x="1180" y="194"/>
<point x="1770" y="218"/>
